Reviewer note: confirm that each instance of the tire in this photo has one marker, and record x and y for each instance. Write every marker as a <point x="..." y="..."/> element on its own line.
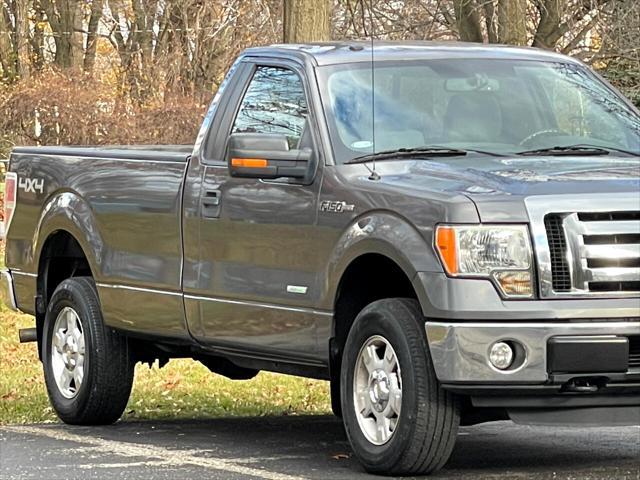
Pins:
<point x="420" y="434"/>
<point x="97" y="393"/>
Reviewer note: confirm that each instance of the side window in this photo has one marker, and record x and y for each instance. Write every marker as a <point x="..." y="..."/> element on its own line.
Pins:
<point x="274" y="103"/>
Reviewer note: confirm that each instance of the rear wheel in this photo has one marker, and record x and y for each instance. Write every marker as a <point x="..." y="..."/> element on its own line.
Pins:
<point x="87" y="366"/>
<point x="397" y="417"/>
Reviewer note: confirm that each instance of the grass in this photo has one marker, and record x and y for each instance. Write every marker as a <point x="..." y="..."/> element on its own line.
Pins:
<point x="183" y="389"/>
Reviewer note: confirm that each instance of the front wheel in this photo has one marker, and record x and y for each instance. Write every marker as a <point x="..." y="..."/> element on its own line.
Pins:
<point x="87" y="365"/>
<point x="397" y="417"/>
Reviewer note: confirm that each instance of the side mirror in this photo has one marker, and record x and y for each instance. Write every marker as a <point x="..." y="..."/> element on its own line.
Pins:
<point x="266" y="155"/>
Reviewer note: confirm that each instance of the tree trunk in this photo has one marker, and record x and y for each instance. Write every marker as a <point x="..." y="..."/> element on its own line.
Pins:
<point x="7" y="53"/>
<point x="512" y="22"/>
<point x="549" y="32"/>
<point x="489" y="21"/>
<point x="307" y="21"/>
<point x="61" y="16"/>
<point x="21" y="44"/>
<point x="37" y="40"/>
<point x="468" y="21"/>
<point x="92" y="36"/>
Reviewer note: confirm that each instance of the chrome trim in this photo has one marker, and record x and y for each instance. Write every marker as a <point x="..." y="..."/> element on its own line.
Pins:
<point x="7" y="292"/>
<point x="460" y="350"/>
<point x="213" y="299"/>
<point x="577" y="253"/>
<point x="622" y="250"/>
<point x="610" y="228"/>
<point x="139" y="289"/>
<point x="611" y="274"/>
<point x="24" y="274"/>
<point x="116" y="159"/>
<point x="260" y="305"/>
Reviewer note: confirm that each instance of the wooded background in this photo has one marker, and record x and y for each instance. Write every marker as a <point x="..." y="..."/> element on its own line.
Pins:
<point x="144" y="71"/>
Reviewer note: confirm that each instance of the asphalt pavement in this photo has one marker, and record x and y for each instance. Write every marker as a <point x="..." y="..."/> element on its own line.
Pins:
<point x="293" y="448"/>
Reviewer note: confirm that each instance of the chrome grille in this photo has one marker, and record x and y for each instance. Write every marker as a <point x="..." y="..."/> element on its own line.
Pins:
<point x="609" y="250"/>
<point x="587" y="246"/>
<point x="561" y="278"/>
<point x="594" y="253"/>
<point x="634" y="351"/>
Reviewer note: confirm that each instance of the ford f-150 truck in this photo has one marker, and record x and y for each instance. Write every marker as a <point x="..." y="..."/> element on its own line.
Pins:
<point x="449" y="233"/>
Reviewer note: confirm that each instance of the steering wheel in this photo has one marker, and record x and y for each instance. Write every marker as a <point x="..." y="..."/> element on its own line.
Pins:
<point x="542" y="133"/>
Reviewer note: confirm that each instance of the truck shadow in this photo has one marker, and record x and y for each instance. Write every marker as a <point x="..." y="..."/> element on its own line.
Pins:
<point x="317" y="447"/>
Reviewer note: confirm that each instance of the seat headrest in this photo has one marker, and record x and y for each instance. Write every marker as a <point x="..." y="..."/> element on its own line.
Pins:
<point x="473" y="117"/>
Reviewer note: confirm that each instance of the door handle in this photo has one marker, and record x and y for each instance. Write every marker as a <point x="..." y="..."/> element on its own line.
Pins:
<point x="211" y="198"/>
<point x="211" y="203"/>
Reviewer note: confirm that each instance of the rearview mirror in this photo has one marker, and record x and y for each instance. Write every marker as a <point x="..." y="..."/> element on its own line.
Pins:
<point x="477" y="83"/>
<point x="267" y="156"/>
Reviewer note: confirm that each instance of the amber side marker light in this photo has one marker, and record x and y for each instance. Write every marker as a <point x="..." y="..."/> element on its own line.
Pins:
<point x="446" y="244"/>
<point x="249" y="162"/>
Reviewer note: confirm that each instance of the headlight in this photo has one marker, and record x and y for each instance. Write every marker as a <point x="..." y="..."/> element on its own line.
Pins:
<point x="501" y="253"/>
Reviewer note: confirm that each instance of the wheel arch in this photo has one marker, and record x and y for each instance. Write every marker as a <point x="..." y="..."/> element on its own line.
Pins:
<point x="67" y="211"/>
<point x="61" y="256"/>
<point x="377" y="256"/>
<point x="369" y="277"/>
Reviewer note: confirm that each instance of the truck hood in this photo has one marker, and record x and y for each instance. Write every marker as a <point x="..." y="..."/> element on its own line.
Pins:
<point x="499" y="185"/>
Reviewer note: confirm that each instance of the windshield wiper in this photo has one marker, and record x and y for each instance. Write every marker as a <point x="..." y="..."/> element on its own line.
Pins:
<point x="610" y="149"/>
<point x="409" y="153"/>
<point x="586" y="150"/>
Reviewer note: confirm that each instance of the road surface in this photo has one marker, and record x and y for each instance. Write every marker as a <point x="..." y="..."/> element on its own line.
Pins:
<point x="293" y="448"/>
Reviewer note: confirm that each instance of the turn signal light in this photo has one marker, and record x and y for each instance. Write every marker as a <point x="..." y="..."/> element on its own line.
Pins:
<point x="515" y="284"/>
<point x="448" y="248"/>
<point x="249" y="162"/>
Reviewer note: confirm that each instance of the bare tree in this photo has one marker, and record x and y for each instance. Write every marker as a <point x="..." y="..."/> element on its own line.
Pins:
<point x="63" y="17"/>
<point x="307" y="20"/>
<point x="467" y="17"/>
<point x="14" y="39"/>
<point x="97" y="7"/>
<point x="512" y="18"/>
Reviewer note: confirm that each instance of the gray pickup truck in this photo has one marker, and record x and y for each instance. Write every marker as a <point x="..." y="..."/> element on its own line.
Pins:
<point x="449" y="233"/>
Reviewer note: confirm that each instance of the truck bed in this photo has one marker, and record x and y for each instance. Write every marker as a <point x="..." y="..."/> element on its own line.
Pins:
<point x="123" y="204"/>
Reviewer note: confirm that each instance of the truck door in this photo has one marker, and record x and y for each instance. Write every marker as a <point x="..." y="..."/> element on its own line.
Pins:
<point x="255" y="280"/>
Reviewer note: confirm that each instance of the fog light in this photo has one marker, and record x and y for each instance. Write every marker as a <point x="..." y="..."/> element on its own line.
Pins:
<point x="501" y="355"/>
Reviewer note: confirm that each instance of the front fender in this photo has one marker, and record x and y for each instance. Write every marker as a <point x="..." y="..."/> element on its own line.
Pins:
<point x="384" y="233"/>
<point x="68" y="211"/>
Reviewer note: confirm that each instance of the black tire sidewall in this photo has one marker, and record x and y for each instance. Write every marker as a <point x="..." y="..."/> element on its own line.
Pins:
<point x="376" y="320"/>
<point x="68" y="294"/>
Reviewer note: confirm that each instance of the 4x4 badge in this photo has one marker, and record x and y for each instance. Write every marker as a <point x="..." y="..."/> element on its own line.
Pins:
<point x="335" y="207"/>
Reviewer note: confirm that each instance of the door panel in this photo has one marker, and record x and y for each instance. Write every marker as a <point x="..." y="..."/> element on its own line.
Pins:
<point x="256" y="271"/>
<point x="251" y="255"/>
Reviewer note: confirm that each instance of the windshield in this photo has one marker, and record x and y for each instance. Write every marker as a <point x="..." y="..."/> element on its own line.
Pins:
<point x="502" y="106"/>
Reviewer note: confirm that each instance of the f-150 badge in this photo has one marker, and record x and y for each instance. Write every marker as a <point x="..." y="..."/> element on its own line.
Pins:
<point x="335" y="207"/>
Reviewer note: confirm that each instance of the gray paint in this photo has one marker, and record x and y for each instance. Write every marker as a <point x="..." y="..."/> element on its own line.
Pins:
<point x="218" y="276"/>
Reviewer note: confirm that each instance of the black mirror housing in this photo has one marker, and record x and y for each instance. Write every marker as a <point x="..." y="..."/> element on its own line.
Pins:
<point x="266" y="156"/>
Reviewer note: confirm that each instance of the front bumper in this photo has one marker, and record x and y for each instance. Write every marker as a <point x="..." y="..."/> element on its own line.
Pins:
<point x="561" y="379"/>
<point x="7" y="292"/>
<point x="460" y="351"/>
